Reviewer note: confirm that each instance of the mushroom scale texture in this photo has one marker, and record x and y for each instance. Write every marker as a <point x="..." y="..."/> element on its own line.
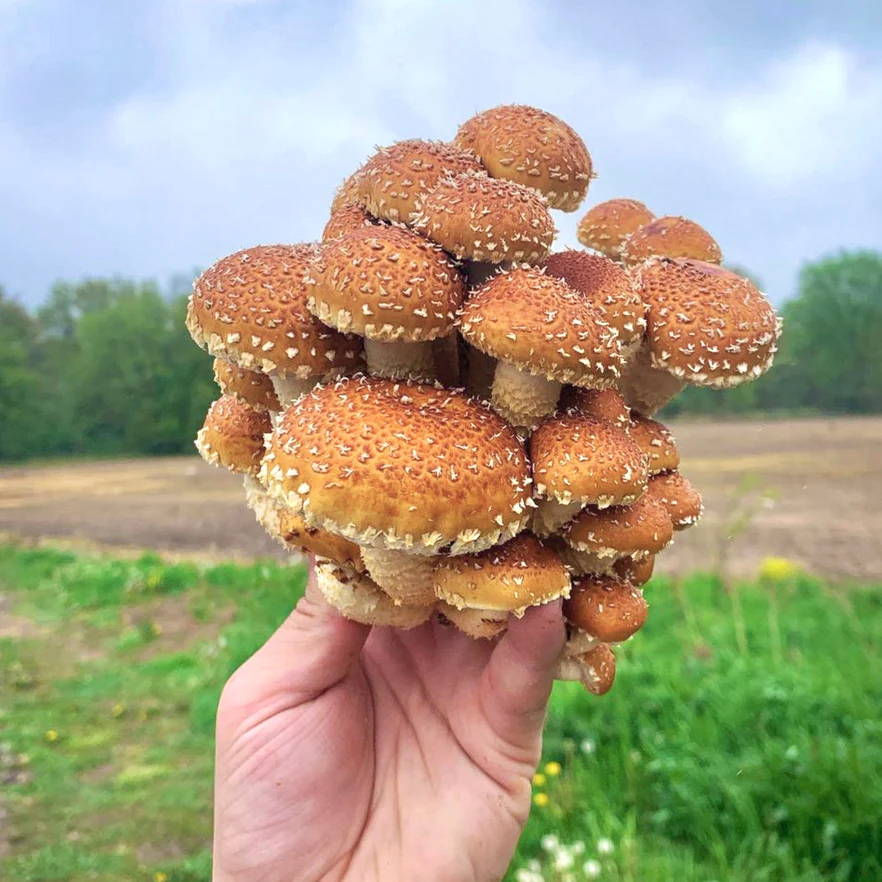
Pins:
<point x="232" y="435"/>
<point x="678" y="496"/>
<point x="607" y="225"/>
<point x="657" y="442"/>
<point x="670" y="237"/>
<point x="606" y="608"/>
<point x="253" y="387"/>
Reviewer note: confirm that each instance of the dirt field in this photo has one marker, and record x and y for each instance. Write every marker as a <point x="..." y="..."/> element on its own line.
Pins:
<point x="807" y="490"/>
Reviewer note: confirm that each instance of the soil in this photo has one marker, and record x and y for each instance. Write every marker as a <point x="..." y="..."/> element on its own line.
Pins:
<point x="807" y="490"/>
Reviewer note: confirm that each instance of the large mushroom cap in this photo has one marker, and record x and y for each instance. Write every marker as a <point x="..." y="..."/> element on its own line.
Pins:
<point x="607" y="225"/>
<point x="250" y="308"/>
<point x="400" y="465"/>
<point x="580" y="459"/>
<point x="606" y="607"/>
<point x="344" y="220"/>
<point x="486" y="219"/>
<point x="253" y="387"/>
<point x="671" y="237"/>
<point x="232" y="435"/>
<point x="679" y="497"/>
<point x="605" y="285"/>
<point x="385" y="283"/>
<point x="706" y="325"/>
<point x="657" y="442"/>
<point x="533" y="148"/>
<point x="642" y="528"/>
<point x="393" y="183"/>
<point x="540" y="325"/>
<point x="511" y="577"/>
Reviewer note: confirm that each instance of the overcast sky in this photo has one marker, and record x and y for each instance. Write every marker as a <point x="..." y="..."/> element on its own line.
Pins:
<point x="145" y="139"/>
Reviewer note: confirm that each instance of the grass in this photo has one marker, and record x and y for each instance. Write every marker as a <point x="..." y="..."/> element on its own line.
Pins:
<point x="743" y="740"/>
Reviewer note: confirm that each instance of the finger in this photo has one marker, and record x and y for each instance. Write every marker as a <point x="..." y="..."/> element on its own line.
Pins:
<point x="517" y="680"/>
<point x="311" y="651"/>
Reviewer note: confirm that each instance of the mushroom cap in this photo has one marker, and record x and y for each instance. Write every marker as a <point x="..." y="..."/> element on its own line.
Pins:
<point x="232" y="435"/>
<point x="487" y="219"/>
<point x="250" y="308"/>
<point x="636" y="571"/>
<point x="345" y="219"/>
<point x="397" y="465"/>
<point x="511" y="577"/>
<point x="346" y="193"/>
<point x="393" y="183"/>
<point x="600" y="404"/>
<point x="671" y="237"/>
<point x="253" y="387"/>
<point x="679" y="497"/>
<point x="595" y="669"/>
<point x="531" y="147"/>
<point x="385" y="283"/>
<point x="607" y="225"/>
<point x="642" y="528"/>
<point x="539" y="324"/>
<point x="656" y="441"/>
<point x="577" y="458"/>
<point x="705" y="324"/>
<point x="607" y="286"/>
<point x="606" y="607"/>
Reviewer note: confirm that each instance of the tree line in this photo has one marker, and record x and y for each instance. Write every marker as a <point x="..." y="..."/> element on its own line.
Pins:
<point x="106" y="366"/>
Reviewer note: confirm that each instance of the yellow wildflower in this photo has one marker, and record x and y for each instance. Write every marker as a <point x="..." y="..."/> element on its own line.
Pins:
<point x="160" y="877"/>
<point x="51" y="735"/>
<point x="541" y="799"/>
<point x="118" y="709"/>
<point x="553" y="769"/>
<point x="539" y="779"/>
<point x="778" y="569"/>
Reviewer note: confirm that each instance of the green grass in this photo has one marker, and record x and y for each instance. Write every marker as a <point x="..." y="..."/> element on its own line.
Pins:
<point x="743" y="739"/>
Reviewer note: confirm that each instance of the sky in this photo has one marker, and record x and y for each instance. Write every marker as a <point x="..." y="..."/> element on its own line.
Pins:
<point x="148" y="139"/>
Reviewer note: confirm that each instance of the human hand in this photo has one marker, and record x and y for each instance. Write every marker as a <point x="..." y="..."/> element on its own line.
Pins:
<point x="351" y="753"/>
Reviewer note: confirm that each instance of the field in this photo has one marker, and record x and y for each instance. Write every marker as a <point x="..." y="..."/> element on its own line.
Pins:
<point x="807" y="490"/>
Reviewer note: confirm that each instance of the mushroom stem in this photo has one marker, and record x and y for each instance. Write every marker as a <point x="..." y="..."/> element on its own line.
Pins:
<point x="478" y="272"/>
<point x="399" y="360"/>
<point x="289" y="388"/>
<point x="476" y="623"/>
<point x="579" y="642"/>
<point x="406" y="578"/>
<point x="445" y="360"/>
<point x="481" y="368"/>
<point x="551" y="515"/>
<point x="522" y="398"/>
<point x="646" y="388"/>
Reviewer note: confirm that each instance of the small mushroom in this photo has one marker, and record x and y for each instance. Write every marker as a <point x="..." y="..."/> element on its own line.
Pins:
<point x="407" y="471"/>
<point x="250" y="308"/>
<point x="232" y="435"/>
<point x="599" y="537"/>
<point x="356" y="597"/>
<point x="607" y="225"/>
<point x="670" y="237"/>
<point x="679" y="497"/>
<point x="487" y="220"/>
<point x="543" y="334"/>
<point x="253" y="387"/>
<point x="595" y="669"/>
<point x="579" y="461"/>
<point x="606" y="608"/>
<point x="599" y="404"/>
<point x="391" y="287"/>
<point x="532" y="148"/>
<point x="657" y="442"/>
<point x="500" y="581"/>
<point x="394" y="182"/>
<point x="637" y="572"/>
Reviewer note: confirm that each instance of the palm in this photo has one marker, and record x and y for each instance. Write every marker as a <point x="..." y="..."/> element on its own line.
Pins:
<point x="411" y="758"/>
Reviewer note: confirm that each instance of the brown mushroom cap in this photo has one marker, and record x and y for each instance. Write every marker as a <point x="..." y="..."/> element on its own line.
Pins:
<point x="607" y="225"/>
<point x="521" y="573"/>
<point x="636" y="571"/>
<point x="399" y="465"/>
<point x="580" y="459"/>
<point x="487" y="219"/>
<point x="705" y="324"/>
<point x="346" y="193"/>
<point x="656" y="441"/>
<point x="606" y="607"/>
<point x="253" y="387"/>
<point x="679" y="497"/>
<point x="607" y="286"/>
<point x="385" y="283"/>
<point x="533" y="148"/>
<point x="595" y="669"/>
<point x="671" y="237"/>
<point x="393" y="183"/>
<point x="344" y="220"/>
<point x="600" y="404"/>
<point x="232" y="435"/>
<point x="540" y="325"/>
<point x="642" y="528"/>
<point x="250" y="308"/>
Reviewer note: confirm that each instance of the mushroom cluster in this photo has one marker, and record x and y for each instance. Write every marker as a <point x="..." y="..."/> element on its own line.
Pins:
<point x="457" y="422"/>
